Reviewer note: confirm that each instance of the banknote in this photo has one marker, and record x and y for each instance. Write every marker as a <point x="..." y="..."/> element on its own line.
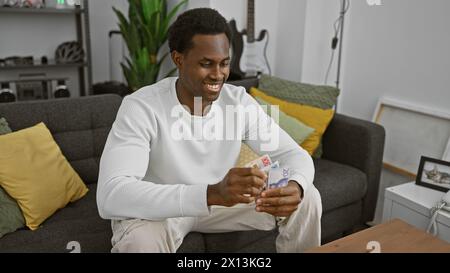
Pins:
<point x="260" y="163"/>
<point x="274" y="165"/>
<point x="278" y="177"/>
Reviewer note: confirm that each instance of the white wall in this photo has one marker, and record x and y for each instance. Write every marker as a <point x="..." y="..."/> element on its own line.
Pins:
<point x="398" y="49"/>
<point x="102" y="20"/>
<point x="290" y="39"/>
<point x="319" y="31"/>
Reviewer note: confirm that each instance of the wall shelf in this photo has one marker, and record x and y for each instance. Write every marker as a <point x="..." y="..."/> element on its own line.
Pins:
<point x="80" y="14"/>
<point x="40" y="66"/>
<point x="41" y="10"/>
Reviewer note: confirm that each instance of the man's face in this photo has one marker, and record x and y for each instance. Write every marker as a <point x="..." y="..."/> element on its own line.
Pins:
<point x="205" y="67"/>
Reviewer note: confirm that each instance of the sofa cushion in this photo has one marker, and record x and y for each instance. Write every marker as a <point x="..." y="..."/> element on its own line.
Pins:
<point x="296" y="129"/>
<point x="78" y="222"/>
<point x="194" y="242"/>
<point x="338" y="184"/>
<point x="79" y="126"/>
<point x="314" y="117"/>
<point x="321" y="96"/>
<point x="35" y="173"/>
<point x="10" y="213"/>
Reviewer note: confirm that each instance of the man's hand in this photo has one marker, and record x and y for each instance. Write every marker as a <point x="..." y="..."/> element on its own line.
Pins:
<point x="240" y="185"/>
<point x="281" y="201"/>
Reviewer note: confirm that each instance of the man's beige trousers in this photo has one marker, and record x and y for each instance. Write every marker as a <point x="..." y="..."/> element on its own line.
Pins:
<point x="297" y="233"/>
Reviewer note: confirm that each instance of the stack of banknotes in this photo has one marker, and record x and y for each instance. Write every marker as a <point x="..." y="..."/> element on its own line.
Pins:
<point x="277" y="176"/>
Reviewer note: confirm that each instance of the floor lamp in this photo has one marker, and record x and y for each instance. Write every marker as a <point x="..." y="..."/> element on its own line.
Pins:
<point x="338" y="31"/>
<point x="344" y="9"/>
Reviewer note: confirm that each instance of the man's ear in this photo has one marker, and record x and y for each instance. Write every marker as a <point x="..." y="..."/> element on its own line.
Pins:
<point x="177" y="58"/>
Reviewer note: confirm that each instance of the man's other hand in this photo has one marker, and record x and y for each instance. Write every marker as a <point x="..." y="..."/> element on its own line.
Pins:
<point x="280" y="201"/>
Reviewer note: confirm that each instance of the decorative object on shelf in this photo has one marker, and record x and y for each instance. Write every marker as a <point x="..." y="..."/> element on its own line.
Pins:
<point x="10" y="3"/>
<point x="73" y="3"/>
<point x="60" y="4"/>
<point x="63" y="4"/>
<point x="69" y="52"/>
<point x="6" y="93"/>
<point x="23" y="3"/>
<point x="145" y="32"/>
<point x="18" y="60"/>
<point x="32" y="86"/>
<point x="434" y="173"/>
<point x="44" y="60"/>
<point x="32" y="4"/>
<point x="61" y="90"/>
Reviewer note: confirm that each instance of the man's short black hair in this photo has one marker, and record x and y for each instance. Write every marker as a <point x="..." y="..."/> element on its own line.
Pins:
<point x="196" y="21"/>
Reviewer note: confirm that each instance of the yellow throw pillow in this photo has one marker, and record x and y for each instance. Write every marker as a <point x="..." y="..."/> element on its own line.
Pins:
<point x="36" y="174"/>
<point x="246" y="155"/>
<point x="312" y="116"/>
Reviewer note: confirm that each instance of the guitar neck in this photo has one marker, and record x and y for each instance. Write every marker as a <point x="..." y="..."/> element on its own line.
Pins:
<point x="250" y="21"/>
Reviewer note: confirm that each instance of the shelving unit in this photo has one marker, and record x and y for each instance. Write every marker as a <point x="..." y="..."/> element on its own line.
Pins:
<point x="41" y="10"/>
<point x="41" y="66"/>
<point x="81" y="16"/>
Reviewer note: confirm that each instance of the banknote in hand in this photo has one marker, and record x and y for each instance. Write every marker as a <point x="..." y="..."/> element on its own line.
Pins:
<point x="260" y="163"/>
<point x="278" y="177"/>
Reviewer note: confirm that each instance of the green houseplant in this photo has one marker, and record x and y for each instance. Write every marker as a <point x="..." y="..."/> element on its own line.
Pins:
<point x="145" y="32"/>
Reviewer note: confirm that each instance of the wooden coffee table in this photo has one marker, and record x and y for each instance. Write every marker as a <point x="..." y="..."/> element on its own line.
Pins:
<point x="395" y="236"/>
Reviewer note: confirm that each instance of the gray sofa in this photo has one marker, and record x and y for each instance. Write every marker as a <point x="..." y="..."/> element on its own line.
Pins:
<point x="347" y="177"/>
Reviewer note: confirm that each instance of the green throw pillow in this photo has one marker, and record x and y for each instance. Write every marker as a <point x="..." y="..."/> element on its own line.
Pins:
<point x="320" y="96"/>
<point x="4" y="127"/>
<point x="10" y="214"/>
<point x="293" y="127"/>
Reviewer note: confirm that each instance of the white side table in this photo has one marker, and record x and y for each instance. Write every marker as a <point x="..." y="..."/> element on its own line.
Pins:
<point x="412" y="203"/>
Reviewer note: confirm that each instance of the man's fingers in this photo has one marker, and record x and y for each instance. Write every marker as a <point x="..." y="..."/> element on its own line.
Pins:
<point x="251" y="172"/>
<point x="278" y="192"/>
<point x="277" y="211"/>
<point x="245" y="199"/>
<point x="253" y="191"/>
<point x="253" y="181"/>
<point x="279" y="201"/>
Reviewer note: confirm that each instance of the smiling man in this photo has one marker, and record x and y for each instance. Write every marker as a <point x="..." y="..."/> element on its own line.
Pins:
<point x="156" y="187"/>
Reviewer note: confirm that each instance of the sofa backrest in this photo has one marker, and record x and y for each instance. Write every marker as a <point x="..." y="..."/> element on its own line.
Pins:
<point x="80" y="126"/>
<point x="247" y="83"/>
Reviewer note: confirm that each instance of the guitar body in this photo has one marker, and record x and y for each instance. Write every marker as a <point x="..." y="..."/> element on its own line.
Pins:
<point x="253" y="60"/>
<point x="248" y="58"/>
<point x="237" y="46"/>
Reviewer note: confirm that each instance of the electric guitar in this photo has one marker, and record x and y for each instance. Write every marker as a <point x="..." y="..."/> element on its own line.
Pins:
<point x="249" y="54"/>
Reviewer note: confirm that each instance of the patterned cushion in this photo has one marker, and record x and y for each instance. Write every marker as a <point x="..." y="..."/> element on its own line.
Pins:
<point x="245" y="156"/>
<point x="324" y="97"/>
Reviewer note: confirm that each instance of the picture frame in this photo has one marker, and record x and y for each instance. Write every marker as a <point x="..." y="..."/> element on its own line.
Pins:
<point x="434" y="173"/>
<point x="412" y="130"/>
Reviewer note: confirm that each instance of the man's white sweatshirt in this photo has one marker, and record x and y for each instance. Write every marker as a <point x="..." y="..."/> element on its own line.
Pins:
<point x="157" y="164"/>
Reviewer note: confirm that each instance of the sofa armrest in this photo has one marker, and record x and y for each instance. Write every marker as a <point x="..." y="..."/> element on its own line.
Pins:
<point x="360" y="144"/>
